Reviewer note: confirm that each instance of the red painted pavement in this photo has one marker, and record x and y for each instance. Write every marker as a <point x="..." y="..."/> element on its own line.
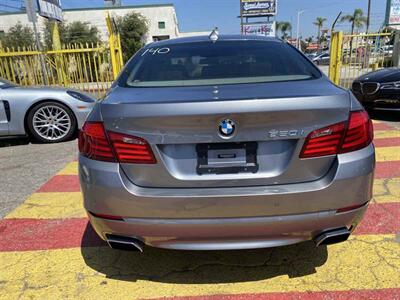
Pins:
<point x="380" y="218"/>
<point x="387" y="142"/>
<point x="61" y="183"/>
<point x="382" y="126"/>
<point x="392" y="294"/>
<point x="43" y="234"/>
<point x="387" y="169"/>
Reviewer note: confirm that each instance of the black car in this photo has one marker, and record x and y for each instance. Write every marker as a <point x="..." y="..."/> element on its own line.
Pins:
<point x="379" y="90"/>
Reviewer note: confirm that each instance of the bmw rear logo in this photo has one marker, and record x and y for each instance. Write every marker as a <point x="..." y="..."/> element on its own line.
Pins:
<point x="227" y="128"/>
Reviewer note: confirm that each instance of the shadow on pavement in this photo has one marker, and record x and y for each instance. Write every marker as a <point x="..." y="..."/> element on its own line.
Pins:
<point x="14" y="142"/>
<point x="192" y="267"/>
<point x="390" y="116"/>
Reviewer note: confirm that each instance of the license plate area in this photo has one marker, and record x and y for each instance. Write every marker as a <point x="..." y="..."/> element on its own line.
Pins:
<point x="227" y="158"/>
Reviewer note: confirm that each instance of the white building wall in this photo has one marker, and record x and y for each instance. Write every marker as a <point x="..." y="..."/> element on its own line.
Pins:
<point x="96" y="17"/>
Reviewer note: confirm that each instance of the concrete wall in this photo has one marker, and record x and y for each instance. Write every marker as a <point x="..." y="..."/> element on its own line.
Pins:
<point x="153" y="13"/>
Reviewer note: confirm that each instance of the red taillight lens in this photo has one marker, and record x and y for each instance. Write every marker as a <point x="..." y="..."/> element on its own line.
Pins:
<point x="325" y="141"/>
<point x="97" y="144"/>
<point x="343" y="137"/>
<point x="131" y="149"/>
<point x="359" y="133"/>
<point x="93" y="142"/>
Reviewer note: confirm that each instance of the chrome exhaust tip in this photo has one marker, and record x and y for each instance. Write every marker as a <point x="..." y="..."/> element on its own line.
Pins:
<point x="332" y="236"/>
<point x="124" y="243"/>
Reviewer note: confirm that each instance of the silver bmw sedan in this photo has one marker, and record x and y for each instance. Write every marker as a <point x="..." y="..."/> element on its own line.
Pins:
<point x="225" y="142"/>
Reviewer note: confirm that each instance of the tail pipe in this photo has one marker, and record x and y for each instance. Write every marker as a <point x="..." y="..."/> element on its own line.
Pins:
<point x="124" y="243"/>
<point x="332" y="236"/>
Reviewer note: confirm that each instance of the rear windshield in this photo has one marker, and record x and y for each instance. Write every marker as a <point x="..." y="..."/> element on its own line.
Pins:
<point x="223" y="62"/>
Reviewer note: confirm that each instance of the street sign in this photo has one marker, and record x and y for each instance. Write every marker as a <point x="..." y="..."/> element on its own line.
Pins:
<point x="393" y="12"/>
<point x="50" y="9"/>
<point x="265" y="29"/>
<point x="260" y="8"/>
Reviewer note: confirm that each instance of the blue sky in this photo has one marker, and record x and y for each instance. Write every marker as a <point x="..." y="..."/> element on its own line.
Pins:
<point x="196" y="15"/>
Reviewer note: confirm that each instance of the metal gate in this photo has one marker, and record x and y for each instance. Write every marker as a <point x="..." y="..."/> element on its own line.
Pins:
<point x="88" y="67"/>
<point x="358" y="54"/>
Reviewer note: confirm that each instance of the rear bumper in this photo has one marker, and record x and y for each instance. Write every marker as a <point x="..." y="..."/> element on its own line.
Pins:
<point x="228" y="234"/>
<point x="228" y="218"/>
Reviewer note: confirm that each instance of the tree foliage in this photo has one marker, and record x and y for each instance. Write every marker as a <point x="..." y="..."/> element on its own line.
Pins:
<point x="18" y="36"/>
<point x="74" y="32"/>
<point x="319" y="22"/>
<point x="132" y="28"/>
<point x="284" y="28"/>
<point x="357" y="19"/>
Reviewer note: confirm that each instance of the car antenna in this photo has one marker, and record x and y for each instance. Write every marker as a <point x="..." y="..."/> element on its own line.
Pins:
<point x="214" y="35"/>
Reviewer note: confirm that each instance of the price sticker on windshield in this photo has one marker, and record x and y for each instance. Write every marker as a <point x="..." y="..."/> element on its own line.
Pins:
<point x="155" y="51"/>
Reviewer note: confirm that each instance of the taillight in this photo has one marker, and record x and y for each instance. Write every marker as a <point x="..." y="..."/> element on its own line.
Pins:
<point x="131" y="149"/>
<point x="98" y="144"/>
<point x="360" y="132"/>
<point x="325" y="141"/>
<point x="93" y="142"/>
<point x="342" y="137"/>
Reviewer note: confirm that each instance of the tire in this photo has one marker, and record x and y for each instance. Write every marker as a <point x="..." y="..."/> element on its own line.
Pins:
<point x="51" y="122"/>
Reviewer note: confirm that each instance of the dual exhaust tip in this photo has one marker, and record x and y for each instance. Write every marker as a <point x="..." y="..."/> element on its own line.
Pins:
<point x="328" y="237"/>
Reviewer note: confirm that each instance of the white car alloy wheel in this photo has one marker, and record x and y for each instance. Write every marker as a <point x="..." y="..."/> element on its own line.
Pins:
<point x="51" y="122"/>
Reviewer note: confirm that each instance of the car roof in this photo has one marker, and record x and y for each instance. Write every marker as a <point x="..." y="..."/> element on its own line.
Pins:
<point x="205" y="38"/>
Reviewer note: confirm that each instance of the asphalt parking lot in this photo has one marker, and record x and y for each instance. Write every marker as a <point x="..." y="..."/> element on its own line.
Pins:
<point x="48" y="250"/>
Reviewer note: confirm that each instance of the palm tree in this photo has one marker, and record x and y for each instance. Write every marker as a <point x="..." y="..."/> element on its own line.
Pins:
<point x="284" y="27"/>
<point x="319" y="22"/>
<point x="357" y="19"/>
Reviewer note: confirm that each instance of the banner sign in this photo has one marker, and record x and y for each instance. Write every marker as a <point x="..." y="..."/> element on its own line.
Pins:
<point x="260" y="8"/>
<point x="50" y="9"/>
<point x="265" y="29"/>
<point x="393" y="12"/>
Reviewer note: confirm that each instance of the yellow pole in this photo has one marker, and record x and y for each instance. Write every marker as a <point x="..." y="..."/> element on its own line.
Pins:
<point x="336" y="57"/>
<point x="62" y="76"/>
<point x="115" y="48"/>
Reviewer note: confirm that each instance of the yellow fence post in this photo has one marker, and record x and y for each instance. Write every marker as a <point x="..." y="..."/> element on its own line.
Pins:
<point x="62" y="76"/>
<point x="115" y="47"/>
<point x="336" y="57"/>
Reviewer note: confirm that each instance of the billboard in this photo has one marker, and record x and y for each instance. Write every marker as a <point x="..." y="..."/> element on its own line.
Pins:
<point x="393" y="12"/>
<point x="260" y="8"/>
<point x="50" y="9"/>
<point x="265" y="29"/>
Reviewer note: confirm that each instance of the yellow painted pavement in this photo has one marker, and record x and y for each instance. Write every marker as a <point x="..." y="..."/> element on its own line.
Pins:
<point x="50" y="206"/>
<point x="364" y="262"/>
<point x="387" y="190"/>
<point x="383" y="134"/>
<point x="387" y="153"/>
<point x="70" y="169"/>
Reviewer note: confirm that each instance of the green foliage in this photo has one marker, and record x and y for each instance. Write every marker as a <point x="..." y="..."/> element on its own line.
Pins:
<point x="284" y="28"/>
<point x="357" y="19"/>
<point x="75" y="32"/>
<point x="132" y="28"/>
<point x="18" y="36"/>
<point x="319" y="22"/>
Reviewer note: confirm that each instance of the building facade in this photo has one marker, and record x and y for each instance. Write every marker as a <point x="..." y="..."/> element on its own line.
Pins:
<point x="162" y="20"/>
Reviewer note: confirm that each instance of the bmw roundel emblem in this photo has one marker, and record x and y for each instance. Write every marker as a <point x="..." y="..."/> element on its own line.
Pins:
<point x="227" y="128"/>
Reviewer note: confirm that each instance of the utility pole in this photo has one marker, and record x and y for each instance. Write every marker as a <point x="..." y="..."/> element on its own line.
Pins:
<point x="241" y="18"/>
<point x="299" y="13"/>
<point x="31" y="12"/>
<point x="369" y="16"/>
